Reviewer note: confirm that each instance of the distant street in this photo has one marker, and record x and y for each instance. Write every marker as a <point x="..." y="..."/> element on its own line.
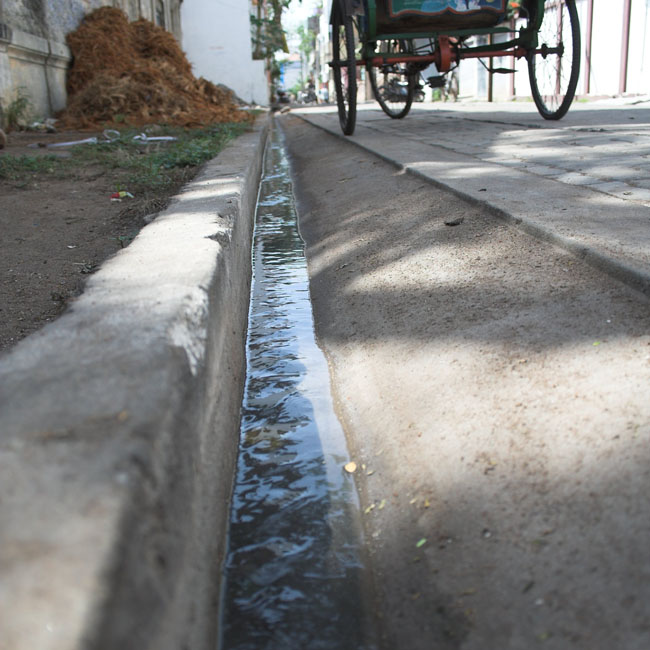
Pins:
<point x="494" y="385"/>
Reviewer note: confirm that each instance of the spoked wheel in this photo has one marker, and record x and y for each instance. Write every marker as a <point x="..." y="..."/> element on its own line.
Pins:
<point x="554" y="65"/>
<point x="345" y="68"/>
<point x="391" y="83"/>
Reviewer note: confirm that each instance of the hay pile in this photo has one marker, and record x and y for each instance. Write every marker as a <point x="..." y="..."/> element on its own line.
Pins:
<point x="136" y="73"/>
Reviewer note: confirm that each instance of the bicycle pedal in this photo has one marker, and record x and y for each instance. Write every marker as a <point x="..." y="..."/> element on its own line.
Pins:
<point x="436" y="81"/>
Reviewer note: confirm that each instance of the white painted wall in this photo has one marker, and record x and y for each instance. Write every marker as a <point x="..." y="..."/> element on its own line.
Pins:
<point x="606" y="48"/>
<point x="217" y="41"/>
<point x="638" y="75"/>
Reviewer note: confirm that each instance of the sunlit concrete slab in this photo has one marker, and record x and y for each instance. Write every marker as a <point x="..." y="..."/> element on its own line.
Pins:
<point x="567" y="181"/>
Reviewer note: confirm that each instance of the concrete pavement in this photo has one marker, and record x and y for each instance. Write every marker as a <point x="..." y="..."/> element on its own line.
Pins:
<point x="119" y="427"/>
<point x="496" y="389"/>
<point x="116" y="419"/>
<point x="582" y="183"/>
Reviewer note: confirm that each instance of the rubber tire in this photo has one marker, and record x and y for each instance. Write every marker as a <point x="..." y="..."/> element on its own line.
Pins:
<point x="346" y="97"/>
<point x="391" y="111"/>
<point x="555" y="106"/>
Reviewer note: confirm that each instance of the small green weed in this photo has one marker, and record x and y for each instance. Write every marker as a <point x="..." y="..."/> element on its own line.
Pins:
<point x="16" y="168"/>
<point x="16" y="112"/>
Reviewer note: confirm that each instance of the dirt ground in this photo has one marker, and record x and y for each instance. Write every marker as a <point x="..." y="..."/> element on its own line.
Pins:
<point x="55" y="231"/>
<point x="495" y="390"/>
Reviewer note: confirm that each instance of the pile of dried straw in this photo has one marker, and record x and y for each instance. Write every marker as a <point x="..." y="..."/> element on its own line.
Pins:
<point x="136" y="73"/>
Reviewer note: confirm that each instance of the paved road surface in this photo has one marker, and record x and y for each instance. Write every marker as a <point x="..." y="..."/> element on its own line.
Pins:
<point x="583" y="182"/>
<point x="494" y="386"/>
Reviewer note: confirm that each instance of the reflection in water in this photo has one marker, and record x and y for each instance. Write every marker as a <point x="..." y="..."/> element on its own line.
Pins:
<point x="293" y="572"/>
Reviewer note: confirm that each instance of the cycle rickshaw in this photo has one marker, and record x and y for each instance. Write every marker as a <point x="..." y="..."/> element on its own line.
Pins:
<point x="397" y="39"/>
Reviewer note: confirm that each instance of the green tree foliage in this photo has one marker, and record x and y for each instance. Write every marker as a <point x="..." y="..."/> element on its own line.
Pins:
<point x="307" y="41"/>
<point x="268" y="36"/>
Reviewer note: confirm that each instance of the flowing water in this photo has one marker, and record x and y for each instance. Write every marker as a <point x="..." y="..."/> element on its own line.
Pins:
<point x="294" y="572"/>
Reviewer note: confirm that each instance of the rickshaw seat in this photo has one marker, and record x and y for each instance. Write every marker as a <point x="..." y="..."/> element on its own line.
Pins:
<point x="412" y="16"/>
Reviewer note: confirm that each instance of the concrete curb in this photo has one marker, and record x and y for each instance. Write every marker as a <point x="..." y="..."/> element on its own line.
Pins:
<point x="119" y="431"/>
<point x="540" y="213"/>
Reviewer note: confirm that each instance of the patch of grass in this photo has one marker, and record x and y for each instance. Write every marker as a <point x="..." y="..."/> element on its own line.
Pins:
<point x="157" y="165"/>
<point x="139" y="165"/>
<point x="16" y="168"/>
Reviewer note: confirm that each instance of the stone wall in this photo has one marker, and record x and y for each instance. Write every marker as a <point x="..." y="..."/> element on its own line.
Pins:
<point x="33" y="54"/>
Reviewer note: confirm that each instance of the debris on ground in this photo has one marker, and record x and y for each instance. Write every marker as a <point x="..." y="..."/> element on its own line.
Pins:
<point x="454" y="221"/>
<point x="118" y="196"/>
<point x="46" y="126"/>
<point x="136" y="73"/>
<point x="107" y="137"/>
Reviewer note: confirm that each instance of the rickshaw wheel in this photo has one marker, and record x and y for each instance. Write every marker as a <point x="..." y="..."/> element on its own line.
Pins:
<point x="554" y="66"/>
<point x="392" y="86"/>
<point x="345" y="69"/>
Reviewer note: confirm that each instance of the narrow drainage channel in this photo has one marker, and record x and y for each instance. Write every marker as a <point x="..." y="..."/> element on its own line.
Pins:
<point x="294" y="575"/>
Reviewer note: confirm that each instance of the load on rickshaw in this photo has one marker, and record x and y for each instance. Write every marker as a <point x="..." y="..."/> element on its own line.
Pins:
<point x="398" y="39"/>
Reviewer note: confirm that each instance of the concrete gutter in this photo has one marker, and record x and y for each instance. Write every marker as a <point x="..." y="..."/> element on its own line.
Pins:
<point x="119" y="429"/>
